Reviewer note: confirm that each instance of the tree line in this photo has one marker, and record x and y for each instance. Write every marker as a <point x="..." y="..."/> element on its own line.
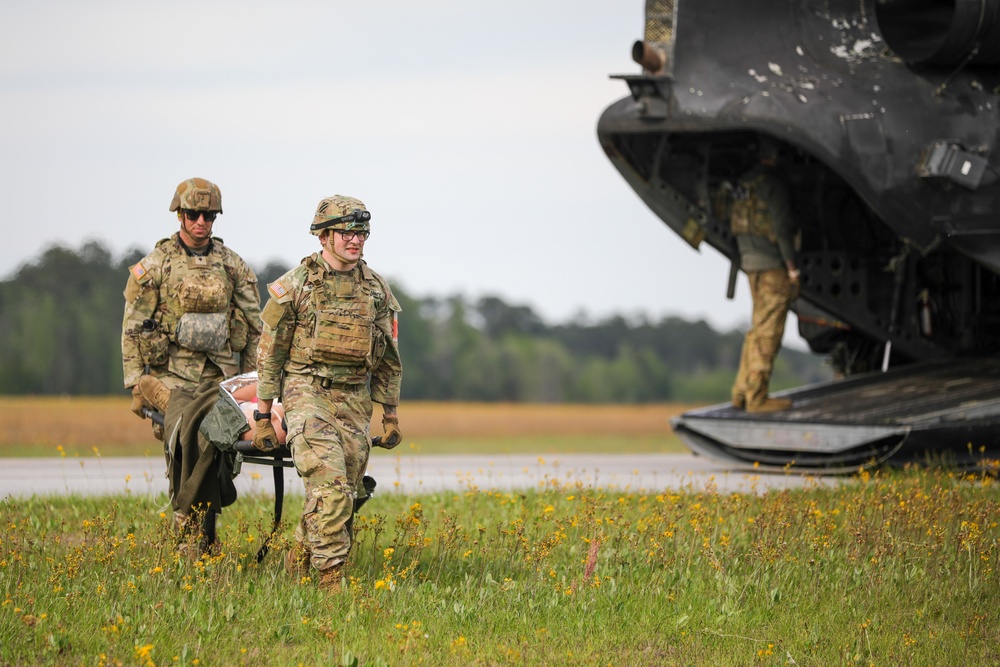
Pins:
<point x="60" y="332"/>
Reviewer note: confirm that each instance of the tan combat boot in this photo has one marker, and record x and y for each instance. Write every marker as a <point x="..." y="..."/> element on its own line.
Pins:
<point x="330" y="580"/>
<point x="771" y="405"/>
<point x="180" y="523"/>
<point x="155" y="392"/>
<point x="297" y="561"/>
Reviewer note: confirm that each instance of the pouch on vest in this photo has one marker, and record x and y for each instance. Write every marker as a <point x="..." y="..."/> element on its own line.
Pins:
<point x="203" y="332"/>
<point x="378" y="348"/>
<point x="343" y="337"/>
<point x="153" y="347"/>
<point x="202" y="293"/>
<point x="739" y="221"/>
<point x="750" y="213"/>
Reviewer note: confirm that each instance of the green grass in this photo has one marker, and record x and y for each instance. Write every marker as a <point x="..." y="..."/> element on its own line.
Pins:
<point x="893" y="569"/>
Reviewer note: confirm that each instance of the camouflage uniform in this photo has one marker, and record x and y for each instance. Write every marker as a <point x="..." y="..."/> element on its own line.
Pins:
<point x="190" y="314"/>
<point x="762" y="222"/>
<point x="204" y="308"/>
<point x="332" y="335"/>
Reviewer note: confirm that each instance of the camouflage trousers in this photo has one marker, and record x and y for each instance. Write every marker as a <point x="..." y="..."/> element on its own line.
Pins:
<point x="772" y="294"/>
<point x="328" y="434"/>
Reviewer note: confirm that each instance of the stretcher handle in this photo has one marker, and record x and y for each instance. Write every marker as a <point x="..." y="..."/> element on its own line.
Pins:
<point x="245" y="446"/>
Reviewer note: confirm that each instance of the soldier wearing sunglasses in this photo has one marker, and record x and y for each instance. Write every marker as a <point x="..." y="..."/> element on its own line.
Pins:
<point x="192" y="310"/>
<point x="328" y="351"/>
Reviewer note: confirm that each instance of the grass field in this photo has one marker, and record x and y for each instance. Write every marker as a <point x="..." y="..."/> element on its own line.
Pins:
<point x="85" y="426"/>
<point x="893" y="569"/>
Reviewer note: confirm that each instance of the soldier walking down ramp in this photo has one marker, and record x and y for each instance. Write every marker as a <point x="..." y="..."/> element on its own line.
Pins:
<point x="329" y="348"/>
<point x="762" y="222"/>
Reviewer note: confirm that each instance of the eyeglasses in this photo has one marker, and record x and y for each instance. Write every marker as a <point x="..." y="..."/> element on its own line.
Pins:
<point x="349" y="236"/>
<point x="192" y="216"/>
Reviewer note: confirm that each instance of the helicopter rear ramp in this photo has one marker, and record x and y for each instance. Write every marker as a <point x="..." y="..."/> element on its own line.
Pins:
<point x="949" y="408"/>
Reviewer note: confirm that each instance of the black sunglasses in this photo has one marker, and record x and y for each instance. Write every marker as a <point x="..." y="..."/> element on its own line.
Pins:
<point x="209" y="216"/>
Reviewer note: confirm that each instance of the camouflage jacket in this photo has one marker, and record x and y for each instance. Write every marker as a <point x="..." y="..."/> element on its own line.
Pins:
<point x="331" y="324"/>
<point x="762" y="221"/>
<point x="168" y="290"/>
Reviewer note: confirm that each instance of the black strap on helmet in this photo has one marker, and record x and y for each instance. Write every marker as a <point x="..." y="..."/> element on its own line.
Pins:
<point x="357" y="215"/>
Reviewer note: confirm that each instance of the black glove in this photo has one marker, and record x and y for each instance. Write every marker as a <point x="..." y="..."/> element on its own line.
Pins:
<point x="393" y="436"/>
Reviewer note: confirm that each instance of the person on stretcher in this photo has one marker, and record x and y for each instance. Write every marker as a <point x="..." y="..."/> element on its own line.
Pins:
<point x="243" y="389"/>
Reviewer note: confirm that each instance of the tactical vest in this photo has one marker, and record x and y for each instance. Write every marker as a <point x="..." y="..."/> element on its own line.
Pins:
<point x="198" y="315"/>
<point x="750" y="214"/>
<point x="339" y="330"/>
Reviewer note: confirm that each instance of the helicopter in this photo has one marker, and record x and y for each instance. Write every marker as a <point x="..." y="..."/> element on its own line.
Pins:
<point x="886" y="115"/>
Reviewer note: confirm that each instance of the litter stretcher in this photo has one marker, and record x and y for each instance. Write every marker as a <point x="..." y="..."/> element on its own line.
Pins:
<point x="207" y="440"/>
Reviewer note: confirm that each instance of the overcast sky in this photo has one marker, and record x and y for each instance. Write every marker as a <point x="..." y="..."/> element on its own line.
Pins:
<point x="467" y="128"/>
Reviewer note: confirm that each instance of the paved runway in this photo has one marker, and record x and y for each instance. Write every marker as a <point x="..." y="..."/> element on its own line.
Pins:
<point x="414" y="474"/>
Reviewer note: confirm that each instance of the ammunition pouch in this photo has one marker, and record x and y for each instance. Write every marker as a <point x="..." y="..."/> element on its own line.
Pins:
<point x="203" y="332"/>
<point x="203" y="293"/>
<point x="341" y="339"/>
<point x="153" y="347"/>
<point x="378" y="348"/>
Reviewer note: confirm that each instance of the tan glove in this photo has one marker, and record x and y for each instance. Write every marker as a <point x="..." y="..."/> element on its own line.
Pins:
<point x="264" y="437"/>
<point x="138" y="402"/>
<point x="393" y="436"/>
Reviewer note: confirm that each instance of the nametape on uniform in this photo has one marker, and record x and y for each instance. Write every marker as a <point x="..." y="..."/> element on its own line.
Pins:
<point x="138" y="271"/>
<point x="277" y="290"/>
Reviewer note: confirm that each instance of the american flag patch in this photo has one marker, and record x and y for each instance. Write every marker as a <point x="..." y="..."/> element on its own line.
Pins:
<point x="395" y="328"/>
<point x="138" y="271"/>
<point x="277" y="290"/>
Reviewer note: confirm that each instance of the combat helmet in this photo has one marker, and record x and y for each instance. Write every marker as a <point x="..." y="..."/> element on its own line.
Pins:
<point x="340" y="212"/>
<point x="197" y="194"/>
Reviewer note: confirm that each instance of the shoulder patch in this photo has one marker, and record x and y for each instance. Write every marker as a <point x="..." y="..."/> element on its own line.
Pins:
<point x="139" y="272"/>
<point x="278" y="291"/>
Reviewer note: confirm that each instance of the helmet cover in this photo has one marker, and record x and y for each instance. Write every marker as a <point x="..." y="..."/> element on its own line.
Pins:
<point x="340" y="212"/>
<point x="197" y="194"/>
